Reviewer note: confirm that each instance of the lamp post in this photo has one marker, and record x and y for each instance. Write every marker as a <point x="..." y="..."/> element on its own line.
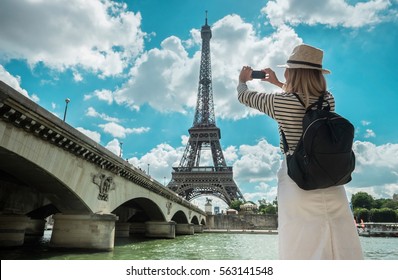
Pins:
<point x="67" y="100"/>
<point x="164" y="181"/>
<point x="148" y="169"/>
<point x="121" y="149"/>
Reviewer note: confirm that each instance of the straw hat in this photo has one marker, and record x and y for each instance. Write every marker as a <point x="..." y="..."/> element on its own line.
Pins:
<point x="307" y="57"/>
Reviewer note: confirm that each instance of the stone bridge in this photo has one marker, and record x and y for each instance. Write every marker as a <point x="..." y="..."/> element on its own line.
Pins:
<point x="49" y="168"/>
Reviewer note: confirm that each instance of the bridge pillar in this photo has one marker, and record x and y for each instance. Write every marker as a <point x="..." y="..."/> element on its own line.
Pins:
<point x="35" y="227"/>
<point x="122" y="229"/>
<point x="198" y="228"/>
<point x="185" y="229"/>
<point x="12" y="230"/>
<point x="159" y="229"/>
<point x="84" y="231"/>
<point x="210" y="221"/>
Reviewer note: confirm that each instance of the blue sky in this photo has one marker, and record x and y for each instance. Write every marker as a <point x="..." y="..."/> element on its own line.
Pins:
<point x="131" y="71"/>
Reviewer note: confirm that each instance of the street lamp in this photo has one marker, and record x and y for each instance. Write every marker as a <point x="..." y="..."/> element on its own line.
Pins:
<point x="121" y="148"/>
<point x="67" y="100"/>
<point x="148" y="169"/>
<point x="164" y="181"/>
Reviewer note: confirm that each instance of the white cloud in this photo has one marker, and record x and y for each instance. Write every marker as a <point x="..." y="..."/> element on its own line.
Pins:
<point x="160" y="160"/>
<point x="91" y="112"/>
<point x="329" y="12"/>
<point x="94" y="135"/>
<point x="259" y="162"/>
<point x="262" y="191"/>
<point x="164" y="78"/>
<point x="376" y="168"/>
<point x="369" y="133"/>
<point x="365" y="123"/>
<point x="184" y="139"/>
<point x="15" y="83"/>
<point x="35" y="98"/>
<point x="114" y="147"/>
<point x="230" y="154"/>
<point x="380" y="191"/>
<point x="100" y="36"/>
<point x="77" y="77"/>
<point x="104" y="95"/>
<point x="116" y="130"/>
<point x="140" y="130"/>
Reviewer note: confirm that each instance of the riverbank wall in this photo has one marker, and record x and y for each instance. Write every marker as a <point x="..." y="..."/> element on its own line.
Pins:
<point x="242" y="222"/>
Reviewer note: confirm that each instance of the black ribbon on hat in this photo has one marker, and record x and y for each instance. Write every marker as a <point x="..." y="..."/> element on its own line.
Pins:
<point x="305" y="63"/>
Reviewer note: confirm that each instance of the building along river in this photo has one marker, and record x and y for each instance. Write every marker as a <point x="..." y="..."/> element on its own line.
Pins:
<point x="205" y="246"/>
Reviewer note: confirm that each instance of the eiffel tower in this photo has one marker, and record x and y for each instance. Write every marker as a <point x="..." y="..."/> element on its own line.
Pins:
<point x="191" y="180"/>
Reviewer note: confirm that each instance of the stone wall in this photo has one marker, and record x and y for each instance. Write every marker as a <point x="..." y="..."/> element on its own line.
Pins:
<point x="248" y="221"/>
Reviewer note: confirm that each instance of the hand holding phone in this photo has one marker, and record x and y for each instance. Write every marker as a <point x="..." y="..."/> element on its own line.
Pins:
<point x="258" y="74"/>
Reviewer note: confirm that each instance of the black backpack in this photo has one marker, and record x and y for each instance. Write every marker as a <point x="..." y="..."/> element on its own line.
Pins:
<point x="323" y="156"/>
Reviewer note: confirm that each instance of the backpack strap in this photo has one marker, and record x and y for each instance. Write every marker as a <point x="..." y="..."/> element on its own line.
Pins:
<point x="284" y="141"/>
<point x="299" y="99"/>
<point x="318" y="103"/>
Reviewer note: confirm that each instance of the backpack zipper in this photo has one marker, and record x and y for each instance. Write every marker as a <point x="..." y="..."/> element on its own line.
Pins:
<point x="324" y="118"/>
<point x="306" y="157"/>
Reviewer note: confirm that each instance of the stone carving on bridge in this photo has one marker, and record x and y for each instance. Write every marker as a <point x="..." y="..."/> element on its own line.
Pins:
<point x="105" y="184"/>
<point x="169" y="205"/>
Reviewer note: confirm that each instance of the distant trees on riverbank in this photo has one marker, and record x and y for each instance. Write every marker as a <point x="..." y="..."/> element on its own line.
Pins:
<point x="268" y="207"/>
<point x="369" y="209"/>
<point x="365" y="208"/>
<point x="264" y="208"/>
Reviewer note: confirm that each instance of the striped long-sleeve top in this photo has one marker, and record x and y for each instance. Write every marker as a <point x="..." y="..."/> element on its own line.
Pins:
<point x="283" y="107"/>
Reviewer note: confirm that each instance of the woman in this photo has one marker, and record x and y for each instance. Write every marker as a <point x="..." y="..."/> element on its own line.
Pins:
<point x="316" y="224"/>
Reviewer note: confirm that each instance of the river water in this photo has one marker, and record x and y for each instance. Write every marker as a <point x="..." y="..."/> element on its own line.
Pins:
<point x="205" y="246"/>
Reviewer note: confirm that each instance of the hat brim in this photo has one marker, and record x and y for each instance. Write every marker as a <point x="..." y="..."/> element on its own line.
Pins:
<point x="302" y="66"/>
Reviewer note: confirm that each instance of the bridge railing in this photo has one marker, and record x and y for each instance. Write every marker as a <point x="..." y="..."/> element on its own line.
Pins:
<point x="29" y="116"/>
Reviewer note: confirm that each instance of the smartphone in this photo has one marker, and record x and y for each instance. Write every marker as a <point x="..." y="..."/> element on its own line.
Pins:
<point x="258" y="74"/>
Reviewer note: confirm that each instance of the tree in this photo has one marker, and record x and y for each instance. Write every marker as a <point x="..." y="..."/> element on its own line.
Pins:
<point x="378" y="203"/>
<point x="362" y="214"/>
<point x="389" y="203"/>
<point x="235" y="204"/>
<point x="267" y="207"/>
<point x="362" y="200"/>
<point x="262" y="202"/>
<point x="275" y="202"/>
<point x="383" y="215"/>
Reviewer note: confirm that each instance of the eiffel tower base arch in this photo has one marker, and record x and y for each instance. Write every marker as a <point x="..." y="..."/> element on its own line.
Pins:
<point x="192" y="183"/>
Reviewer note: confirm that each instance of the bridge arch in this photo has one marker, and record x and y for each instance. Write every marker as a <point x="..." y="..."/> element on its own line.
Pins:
<point x="180" y="218"/>
<point x="195" y="220"/>
<point x="139" y="210"/>
<point x="34" y="186"/>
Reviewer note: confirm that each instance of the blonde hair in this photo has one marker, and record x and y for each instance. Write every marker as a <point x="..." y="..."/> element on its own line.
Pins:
<point x="305" y="82"/>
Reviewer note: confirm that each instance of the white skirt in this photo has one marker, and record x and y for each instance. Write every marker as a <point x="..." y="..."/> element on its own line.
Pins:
<point x="315" y="224"/>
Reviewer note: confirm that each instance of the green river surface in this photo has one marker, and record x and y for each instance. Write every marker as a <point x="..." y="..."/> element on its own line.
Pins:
<point x="204" y="246"/>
